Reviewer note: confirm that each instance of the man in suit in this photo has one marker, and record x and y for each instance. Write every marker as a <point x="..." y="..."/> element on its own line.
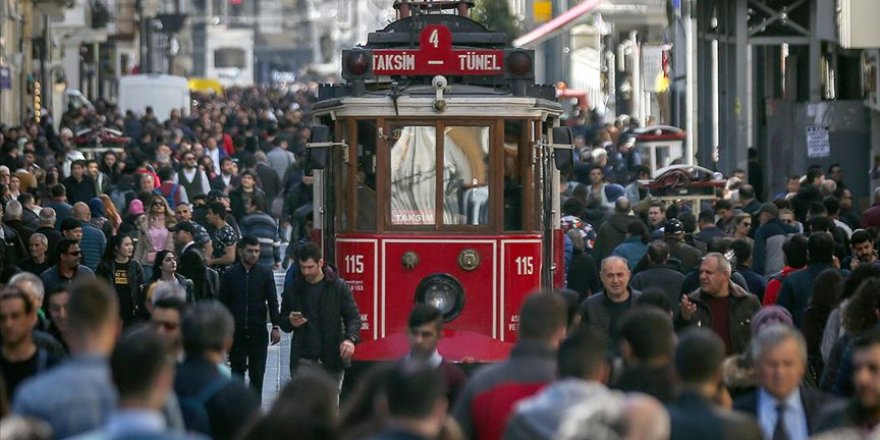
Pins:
<point x="192" y="262"/>
<point x="698" y="362"/>
<point x="784" y="409"/>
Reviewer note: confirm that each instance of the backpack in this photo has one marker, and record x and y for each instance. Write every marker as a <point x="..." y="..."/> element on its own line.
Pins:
<point x="171" y="195"/>
<point x="212" y="283"/>
<point x="195" y="415"/>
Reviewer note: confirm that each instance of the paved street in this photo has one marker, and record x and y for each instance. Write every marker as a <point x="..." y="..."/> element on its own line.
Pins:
<point x="277" y="371"/>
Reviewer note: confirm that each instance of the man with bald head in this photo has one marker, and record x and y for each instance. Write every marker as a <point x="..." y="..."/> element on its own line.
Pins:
<point x="93" y="240"/>
<point x="604" y="310"/>
<point x="720" y="305"/>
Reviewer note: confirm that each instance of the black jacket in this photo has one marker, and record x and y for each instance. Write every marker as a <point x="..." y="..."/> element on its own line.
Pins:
<point x="814" y="402"/>
<point x="230" y="409"/>
<point x="597" y="309"/>
<point x="339" y="320"/>
<point x="192" y="266"/>
<point x="107" y="269"/>
<point x="246" y="294"/>
<point x="661" y="276"/>
<point x="82" y="191"/>
<point x="694" y="417"/>
<point x="743" y="305"/>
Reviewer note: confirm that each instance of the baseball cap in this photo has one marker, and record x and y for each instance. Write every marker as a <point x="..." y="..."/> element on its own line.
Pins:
<point x="184" y="226"/>
<point x="673" y="226"/>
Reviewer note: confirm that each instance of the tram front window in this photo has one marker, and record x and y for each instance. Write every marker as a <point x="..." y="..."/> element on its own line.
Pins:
<point x="466" y="176"/>
<point x="413" y="175"/>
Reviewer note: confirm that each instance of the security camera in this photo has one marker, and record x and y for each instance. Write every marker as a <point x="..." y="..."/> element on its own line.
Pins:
<point x="440" y="82"/>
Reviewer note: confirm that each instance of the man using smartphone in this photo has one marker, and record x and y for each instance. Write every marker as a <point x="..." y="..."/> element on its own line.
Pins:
<point x="323" y="316"/>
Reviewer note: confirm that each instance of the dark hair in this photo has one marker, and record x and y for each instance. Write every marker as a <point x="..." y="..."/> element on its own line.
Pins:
<point x="638" y="229"/>
<point x="860" y="313"/>
<point x="706" y="216"/>
<point x="309" y="251"/>
<point x="573" y="206"/>
<point x="207" y="325"/>
<point x="10" y="292"/>
<point x="720" y="245"/>
<point x="747" y="192"/>
<point x="58" y="190"/>
<point x="859" y="236"/>
<point x="826" y="291"/>
<point x="64" y="245"/>
<point x="413" y="390"/>
<point x="867" y="340"/>
<point x="79" y="162"/>
<point x="821" y="247"/>
<point x="655" y="297"/>
<point x="688" y="220"/>
<point x="863" y="273"/>
<point x="795" y="251"/>
<point x="423" y="314"/>
<point x="25" y="198"/>
<point x="217" y="208"/>
<point x="138" y="359"/>
<point x="658" y="252"/>
<point x="832" y="166"/>
<point x="742" y="250"/>
<point x="113" y="245"/>
<point x="723" y="204"/>
<point x="93" y="304"/>
<point x="813" y="173"/>
<point x="171" y="302"/>
<point x="573" y="305"/>
<point x="541" y="316"/>
<point x="832" y="205"/>
<point x="157" y="263"/>
<point x="305" y="409"/>
<point x="582" y="353"/>
<point x="699" y="355"/>
<point x="248" y="240"/>
<point x="649" y="333"/>
<point x="165" y="174"/>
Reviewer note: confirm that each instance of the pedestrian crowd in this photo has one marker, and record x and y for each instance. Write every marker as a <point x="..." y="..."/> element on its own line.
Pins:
<point x="139" y="291"/>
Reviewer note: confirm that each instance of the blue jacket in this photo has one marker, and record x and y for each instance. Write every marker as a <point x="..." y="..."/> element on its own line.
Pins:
<point x="798" y="288"/>
<point x="632" y="249"/>
<point x="767" y="256"/>
<point x="92" y="246"/>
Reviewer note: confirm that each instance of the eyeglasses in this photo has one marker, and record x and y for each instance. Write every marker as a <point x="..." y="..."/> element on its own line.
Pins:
<point x="166" y="325"/>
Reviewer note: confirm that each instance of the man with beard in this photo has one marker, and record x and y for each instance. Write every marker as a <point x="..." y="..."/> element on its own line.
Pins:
<point x="191" y="178"/>
<point x="862" y="250"/>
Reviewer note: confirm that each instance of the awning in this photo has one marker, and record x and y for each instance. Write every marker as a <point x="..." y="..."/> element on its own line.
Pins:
<point x="547" y="30"/>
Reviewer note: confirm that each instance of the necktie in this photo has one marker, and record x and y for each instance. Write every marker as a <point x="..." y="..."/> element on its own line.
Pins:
<point x="779" y="431"/>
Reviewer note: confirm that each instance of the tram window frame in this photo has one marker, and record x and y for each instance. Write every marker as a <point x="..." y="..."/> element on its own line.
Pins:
<point x="364" y="220"/>
<point x="438" y="225"/>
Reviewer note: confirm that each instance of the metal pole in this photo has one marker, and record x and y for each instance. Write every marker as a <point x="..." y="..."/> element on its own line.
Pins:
<point x="690" y="19"/>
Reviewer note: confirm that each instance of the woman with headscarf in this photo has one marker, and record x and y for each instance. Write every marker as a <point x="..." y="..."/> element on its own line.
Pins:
<point x="99" y="218"/>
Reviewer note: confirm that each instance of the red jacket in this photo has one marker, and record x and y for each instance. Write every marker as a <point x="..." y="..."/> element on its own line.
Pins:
<point x="775" y="284"/>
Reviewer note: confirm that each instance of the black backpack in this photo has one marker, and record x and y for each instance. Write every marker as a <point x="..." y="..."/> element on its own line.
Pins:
<point x="195" y="414"/>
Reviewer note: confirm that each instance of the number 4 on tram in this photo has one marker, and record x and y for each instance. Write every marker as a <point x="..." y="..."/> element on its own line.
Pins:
<point x="437" y="181"/>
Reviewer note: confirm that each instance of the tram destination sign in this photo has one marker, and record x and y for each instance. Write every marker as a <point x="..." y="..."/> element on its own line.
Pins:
<point x="435" y="56"/>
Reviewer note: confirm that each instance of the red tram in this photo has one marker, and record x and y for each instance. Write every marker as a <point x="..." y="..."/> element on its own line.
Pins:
<point x="437" y="180"/>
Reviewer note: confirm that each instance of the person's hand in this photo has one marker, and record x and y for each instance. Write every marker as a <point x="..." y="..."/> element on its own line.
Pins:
<point x="277" y="265"/>
<point x="835" y="262"/>
<point x="854" y="263"/>
<point x="297" y="319"/>
<point x="275" y="336"/>
<point x="346" y="349"/>
<point x="687" y="308"/>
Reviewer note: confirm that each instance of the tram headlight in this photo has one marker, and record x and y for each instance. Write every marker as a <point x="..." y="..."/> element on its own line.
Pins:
<point x="443" y="292"/>
<point x="357" y="63"/>
<point x="519" y="62"/>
